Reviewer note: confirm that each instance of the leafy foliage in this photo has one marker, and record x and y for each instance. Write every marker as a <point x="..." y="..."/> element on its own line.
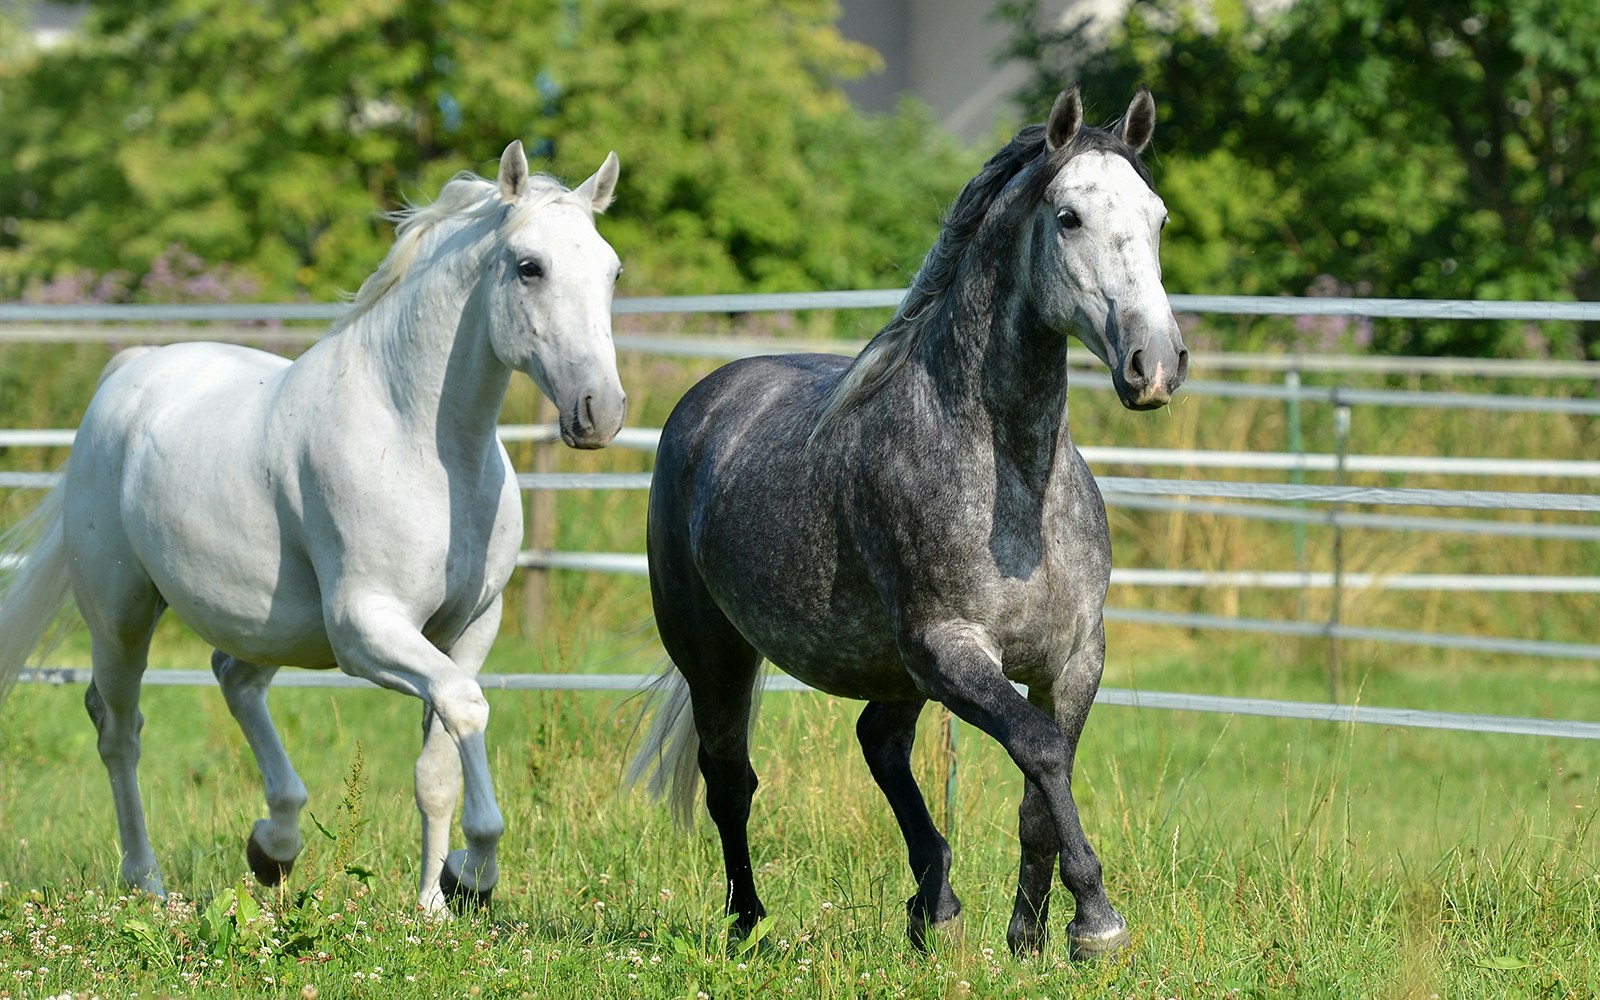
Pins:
<point x="269" y="138"/>
<point x="1391" y="147"/>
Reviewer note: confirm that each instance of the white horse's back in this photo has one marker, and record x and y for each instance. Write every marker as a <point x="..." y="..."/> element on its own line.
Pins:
<point x="177" y="466"/>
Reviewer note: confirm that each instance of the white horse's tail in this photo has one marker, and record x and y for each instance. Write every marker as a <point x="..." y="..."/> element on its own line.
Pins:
<point x="35" y="591"/>
<point x="671" y="751"/>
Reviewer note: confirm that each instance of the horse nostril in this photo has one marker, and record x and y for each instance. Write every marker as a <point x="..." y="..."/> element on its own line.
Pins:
<point x="1183" y="365"/>
<point x="586" y="413"/>
<point x="1135" y="368"/>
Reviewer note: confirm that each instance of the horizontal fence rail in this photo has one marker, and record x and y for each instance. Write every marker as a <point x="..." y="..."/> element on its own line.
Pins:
<point x="1124" y="697"/>
<point x="646" y="439"/>
<point x="1110" y="486"/>
<point x="636" y="564"/>
<point x="885" y="298"/>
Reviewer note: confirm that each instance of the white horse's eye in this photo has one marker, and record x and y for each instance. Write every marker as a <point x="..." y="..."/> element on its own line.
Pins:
<point x="1068" y="219"/>
<point x="527" y="267"/>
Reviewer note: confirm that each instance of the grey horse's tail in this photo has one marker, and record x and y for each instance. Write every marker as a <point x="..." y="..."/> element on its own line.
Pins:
<point x="35" y="588"/>
<point x="671" y="751"/>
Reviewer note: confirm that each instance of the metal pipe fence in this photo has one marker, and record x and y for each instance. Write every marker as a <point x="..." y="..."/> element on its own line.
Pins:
<point x="20" y="322"/>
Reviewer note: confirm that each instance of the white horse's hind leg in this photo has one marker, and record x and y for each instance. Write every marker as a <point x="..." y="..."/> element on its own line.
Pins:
<point x="113" y="703"/>
<point x="374" y="640"/>
<point x="275" y="841"/>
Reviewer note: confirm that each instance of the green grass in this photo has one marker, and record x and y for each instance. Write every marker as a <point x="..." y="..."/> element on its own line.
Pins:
<point x="1251" y="857"/>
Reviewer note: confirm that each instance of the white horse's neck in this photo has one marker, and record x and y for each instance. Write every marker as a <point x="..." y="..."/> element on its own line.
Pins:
<point x="429" y="339"/>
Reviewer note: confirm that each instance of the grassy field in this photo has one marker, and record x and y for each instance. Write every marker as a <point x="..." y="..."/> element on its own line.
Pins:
<point x="1252" y="857"/>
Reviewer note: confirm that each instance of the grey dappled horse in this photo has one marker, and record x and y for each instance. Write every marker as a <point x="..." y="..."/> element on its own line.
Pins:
<point x="917" y="523"/>
<point x="353" y="508"/>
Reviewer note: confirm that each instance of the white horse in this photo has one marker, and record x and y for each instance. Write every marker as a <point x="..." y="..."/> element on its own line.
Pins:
<point x="351" y="509"/>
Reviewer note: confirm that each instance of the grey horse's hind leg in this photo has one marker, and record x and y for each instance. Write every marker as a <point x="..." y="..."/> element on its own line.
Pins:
<point x="721" y="668"/>
<point x="721" y="688"/>
<point x="887" y="731"/>
<point x="958" y="671"/>
<point x="274" y="842"/>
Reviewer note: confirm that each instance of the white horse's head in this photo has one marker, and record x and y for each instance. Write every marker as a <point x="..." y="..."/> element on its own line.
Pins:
<point x="550" y="304"/>
<point x="1097" y="256"/>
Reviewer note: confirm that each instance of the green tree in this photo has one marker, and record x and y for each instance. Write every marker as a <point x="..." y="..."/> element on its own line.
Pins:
<point x="1391" y="147"/>
<point x="270" y="137"/>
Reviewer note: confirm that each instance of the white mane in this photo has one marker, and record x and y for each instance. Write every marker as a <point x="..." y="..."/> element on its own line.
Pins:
<point x="464" y="200"/>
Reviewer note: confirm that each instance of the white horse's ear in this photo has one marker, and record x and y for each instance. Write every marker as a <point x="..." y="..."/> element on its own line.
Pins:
<point x="1139" y="124"/>
<point x="513" y="171"/>
<point x="1065" y="117"/>
<point x="600" y="187"/>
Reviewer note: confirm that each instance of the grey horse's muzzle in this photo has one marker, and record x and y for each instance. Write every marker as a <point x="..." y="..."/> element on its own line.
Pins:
<point x="1151" y="371"/>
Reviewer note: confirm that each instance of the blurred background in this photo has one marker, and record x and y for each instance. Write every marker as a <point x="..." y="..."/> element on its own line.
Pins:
<point x="226" y="149"/>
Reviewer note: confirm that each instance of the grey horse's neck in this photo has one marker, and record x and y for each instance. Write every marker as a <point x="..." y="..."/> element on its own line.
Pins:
<point x="996" y="367"/>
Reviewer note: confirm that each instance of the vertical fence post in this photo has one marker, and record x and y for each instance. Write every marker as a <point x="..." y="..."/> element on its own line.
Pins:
<point x="1297" y="475"/>
<point x="541" y="530"/>
<point x="950" y="725"/>
<point x="1341" y="426"/>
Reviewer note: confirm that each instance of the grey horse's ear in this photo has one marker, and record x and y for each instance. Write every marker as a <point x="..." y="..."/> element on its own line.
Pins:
<point x="600" y="187"/>
<point x="513" y="171"/>
<point x="1139" y="124"/>
<point x="1065" y="117"/>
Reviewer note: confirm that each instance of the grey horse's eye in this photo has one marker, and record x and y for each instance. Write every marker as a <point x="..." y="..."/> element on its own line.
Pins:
<point x="527" y="267"/>
<point x="1068" y="219"/>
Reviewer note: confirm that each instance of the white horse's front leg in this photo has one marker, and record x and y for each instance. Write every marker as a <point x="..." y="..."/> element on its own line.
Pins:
<point x="275" y="841"/>
<point x="438" y="773"/>
<point x="373" y="638"/>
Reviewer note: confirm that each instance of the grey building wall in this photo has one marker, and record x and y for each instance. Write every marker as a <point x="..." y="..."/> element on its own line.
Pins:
<point x="946" y="54"/>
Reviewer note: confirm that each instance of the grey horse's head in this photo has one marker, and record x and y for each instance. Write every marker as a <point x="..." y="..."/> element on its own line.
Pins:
<point x="1096" y="267"/>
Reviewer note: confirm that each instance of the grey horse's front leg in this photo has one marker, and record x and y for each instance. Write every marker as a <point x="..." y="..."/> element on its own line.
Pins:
<point x="886" y="731"/>
<point x="954" y="664"/>
<point x="1068" y="701"/>
<point x="1029" y="927"/>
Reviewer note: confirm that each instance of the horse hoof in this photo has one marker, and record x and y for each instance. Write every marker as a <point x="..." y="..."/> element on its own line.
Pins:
<point x="1103" y="944"/>
<point x="1027" y="943"/>
<point x="269" y="871"/>
<point x="935" y="935"/>
<point x="462" y="899"/>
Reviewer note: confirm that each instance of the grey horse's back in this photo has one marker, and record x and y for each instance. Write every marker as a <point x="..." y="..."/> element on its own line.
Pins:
<point x="746" y="526"/>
